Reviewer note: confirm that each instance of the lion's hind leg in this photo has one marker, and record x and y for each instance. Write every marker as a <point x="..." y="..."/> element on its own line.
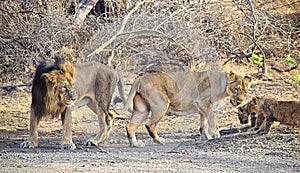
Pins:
<point x="159" y="104"/>
<point x="105" y="86"/>
<point x="103" y="127"/>
<point x="139" y="115"/>
<point x="157" y="112"/>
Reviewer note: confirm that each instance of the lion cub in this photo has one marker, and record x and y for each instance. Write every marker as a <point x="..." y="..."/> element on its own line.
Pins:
<point x="265" y="111"/>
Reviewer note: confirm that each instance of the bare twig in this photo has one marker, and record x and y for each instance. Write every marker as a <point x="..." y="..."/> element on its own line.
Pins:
<point x="98" y="50"/>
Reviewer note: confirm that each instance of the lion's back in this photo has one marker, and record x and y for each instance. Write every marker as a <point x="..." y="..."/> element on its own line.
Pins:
<point x="286" y="112"/>
<point x="183" y="88"/>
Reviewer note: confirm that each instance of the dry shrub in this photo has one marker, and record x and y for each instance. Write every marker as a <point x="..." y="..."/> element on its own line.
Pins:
<point x="185" y="34"/>
<point x="31" y="33"/>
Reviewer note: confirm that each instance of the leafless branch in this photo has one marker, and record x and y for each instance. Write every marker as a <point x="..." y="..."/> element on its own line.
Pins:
<point x="126" y="18"/>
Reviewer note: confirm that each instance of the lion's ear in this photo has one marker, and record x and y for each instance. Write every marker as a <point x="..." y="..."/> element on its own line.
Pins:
<point x="232" y="76"/>
<point x="58" y="60"/>
<point x="255" y="100"/>
<point x="50" y="77"/>
<point x="248" y="79"/>
<point x="67" y="68"/>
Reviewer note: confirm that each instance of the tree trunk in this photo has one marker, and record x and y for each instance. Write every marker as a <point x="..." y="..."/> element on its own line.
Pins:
<point x="82" y="9"/>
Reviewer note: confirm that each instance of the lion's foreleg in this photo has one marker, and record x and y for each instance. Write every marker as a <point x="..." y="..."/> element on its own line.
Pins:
<point x="259" y="120"/>
<point x="204" y="127"/>
<point x="213" y="128"/>
<point x="67" y="142"/>
<point x="267" y="124"/>
<point x="253" y="121"/>
<point x="32" y="141"/>
<point x="208" y="125"/>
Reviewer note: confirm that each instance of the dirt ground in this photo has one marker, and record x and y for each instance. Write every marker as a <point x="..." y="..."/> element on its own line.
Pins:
<point x="184" y="151"/>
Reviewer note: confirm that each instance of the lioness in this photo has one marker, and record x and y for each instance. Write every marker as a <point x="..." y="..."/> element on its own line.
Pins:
<point x="181" y="93"/>
<point x="269" y="110"/>
<point x="57" y="87"/>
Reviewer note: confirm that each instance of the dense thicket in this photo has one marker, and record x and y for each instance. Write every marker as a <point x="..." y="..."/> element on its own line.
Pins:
<point x="175" y="33"/>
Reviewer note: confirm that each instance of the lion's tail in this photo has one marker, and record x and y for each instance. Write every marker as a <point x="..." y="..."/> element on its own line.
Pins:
<point x="121" y="90"/>
<point x="132" y="93"/>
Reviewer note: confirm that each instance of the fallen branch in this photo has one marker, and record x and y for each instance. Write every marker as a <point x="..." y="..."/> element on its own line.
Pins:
<point x="14" y="86"/>
<point x="286" y="70"/>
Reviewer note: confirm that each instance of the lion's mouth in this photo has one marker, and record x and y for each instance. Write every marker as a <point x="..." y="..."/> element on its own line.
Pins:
<point x="70" y="103"/>
<point x="253" y="114"/>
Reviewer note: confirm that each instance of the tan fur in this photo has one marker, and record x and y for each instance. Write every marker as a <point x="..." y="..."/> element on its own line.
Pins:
<point x="94" y="86"/>
<point x="269" y="110"/>
<point x="182" y="93"/>
<point x="59" y="82"/>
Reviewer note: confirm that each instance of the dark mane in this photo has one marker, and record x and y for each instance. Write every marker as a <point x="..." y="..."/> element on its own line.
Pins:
<point x="39" y="86"/>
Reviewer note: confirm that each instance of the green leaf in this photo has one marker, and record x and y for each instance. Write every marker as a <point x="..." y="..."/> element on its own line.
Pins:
<point x="296" y="78"/>
<point x="289" y="60"/>
<point x="257" y="59"/>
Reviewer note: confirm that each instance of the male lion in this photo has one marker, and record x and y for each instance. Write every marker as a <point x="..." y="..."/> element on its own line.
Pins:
<point x="181" y="93"/>
<point x="57" y="87"/>
<point x="269" y="110"/>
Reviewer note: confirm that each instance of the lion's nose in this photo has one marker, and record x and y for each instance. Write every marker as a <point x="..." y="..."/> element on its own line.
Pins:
<point x="73" y="95"/>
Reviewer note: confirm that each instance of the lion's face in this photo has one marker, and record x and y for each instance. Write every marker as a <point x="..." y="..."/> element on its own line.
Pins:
<point x="61" y="88"/>
<point x="243" y="114"/>
<point x="65" y="92"/>
<point x="238" y="87"/>
<point x="247" y="110"/>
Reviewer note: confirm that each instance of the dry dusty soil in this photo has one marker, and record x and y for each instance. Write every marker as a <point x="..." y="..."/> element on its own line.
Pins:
<point x="184" y="151"/>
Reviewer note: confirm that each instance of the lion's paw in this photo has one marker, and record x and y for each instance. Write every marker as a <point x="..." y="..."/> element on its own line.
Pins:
<point x="89" y="143"/>
<point x="159" y="140"/>
<point x="253" y="129"/>
<point x="27" y="144"/>
<point x="70" y="146"/>
<point x="261" y="132"/>
<point x="216" y="136"/>
<point x="138" y="144"/>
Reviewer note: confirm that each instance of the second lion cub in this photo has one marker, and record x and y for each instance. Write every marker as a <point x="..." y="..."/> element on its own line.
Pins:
<point x="268" y="110"/>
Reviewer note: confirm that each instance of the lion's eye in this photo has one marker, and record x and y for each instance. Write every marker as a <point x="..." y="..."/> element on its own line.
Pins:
<point x="64" y="89"/>
<point x="235" y="90"/>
